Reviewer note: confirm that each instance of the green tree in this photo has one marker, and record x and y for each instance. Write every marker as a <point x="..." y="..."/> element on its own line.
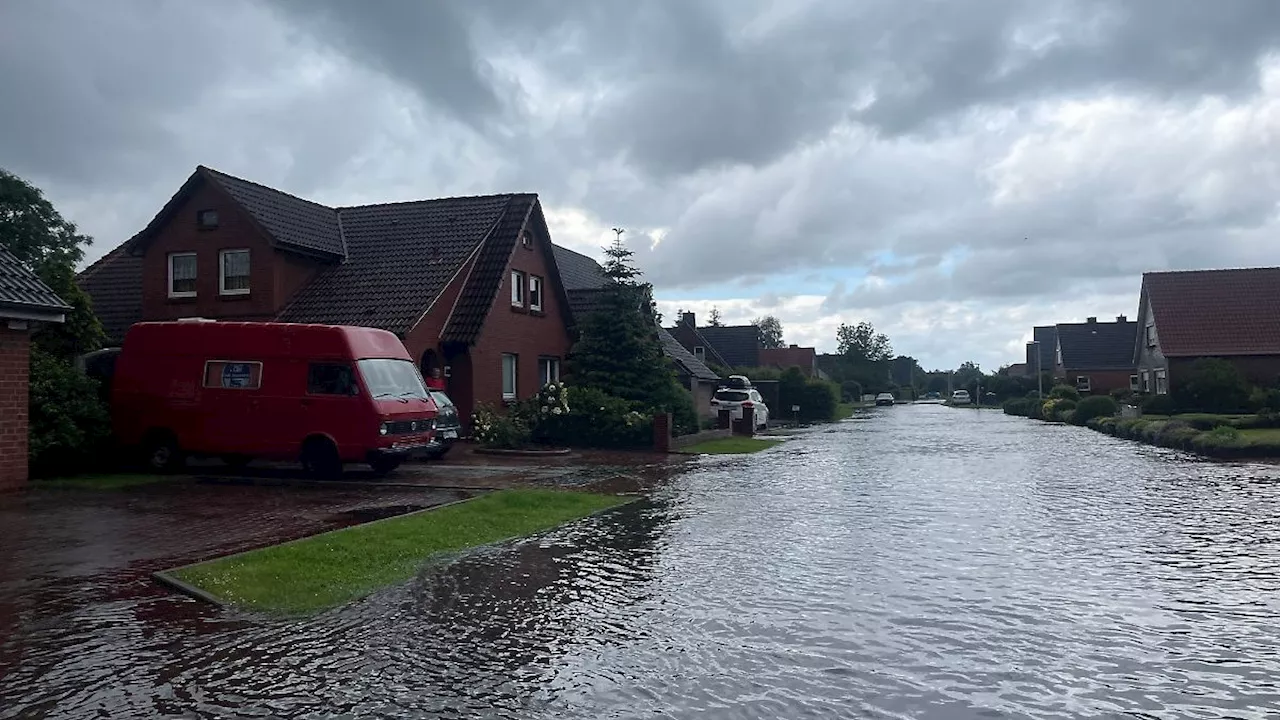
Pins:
<point x="770" y="331"/>
<point x="618" y="351"/>
<point x="50" y="246"/>
<point x="862" y="342"/>
<point x="1212" y="385"/>
<point x="714" y="319"/>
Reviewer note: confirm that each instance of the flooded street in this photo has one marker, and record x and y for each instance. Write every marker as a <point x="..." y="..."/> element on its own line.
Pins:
<point x="915" y="562"/>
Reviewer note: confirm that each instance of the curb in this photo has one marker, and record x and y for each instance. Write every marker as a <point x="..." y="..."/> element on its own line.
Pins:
<point x="558" y="452"/>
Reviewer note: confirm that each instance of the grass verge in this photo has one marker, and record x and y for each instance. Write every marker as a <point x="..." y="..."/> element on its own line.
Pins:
<point x="326" y="570"/>
<point x="731" y="446"/>
<point x="98" y="482"/>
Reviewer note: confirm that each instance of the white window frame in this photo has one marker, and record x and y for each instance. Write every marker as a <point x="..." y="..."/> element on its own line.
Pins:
<point x="1162" y="382"/>
<point x="1133" y="383"/>
<point x="222" y="271"/>
<point x="1151" y="334"/>
<point x="1145" y="381"/>
<point x="551" y="364"/>
<point x="169" y="261"/>
<point x="1083" y="384"/>
<point x="514" y="376"/>
<point x="535" y="282"/>
<point x="517" y="288"/>
<point x="700" y="352"/>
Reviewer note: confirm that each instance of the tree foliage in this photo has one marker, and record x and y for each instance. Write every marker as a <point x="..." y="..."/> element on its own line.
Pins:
<point x="33" y="230"/>
<point x="862" y="342"/>
<point x="1213" y="385"/>
<point x="69" y="424"/>
<point x="618" y="351"/>
<point x="770" y="331"/>
<point x="714" y="319"/>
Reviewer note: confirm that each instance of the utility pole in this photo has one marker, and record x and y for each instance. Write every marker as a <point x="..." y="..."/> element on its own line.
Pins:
<point x="1039" y="371"/>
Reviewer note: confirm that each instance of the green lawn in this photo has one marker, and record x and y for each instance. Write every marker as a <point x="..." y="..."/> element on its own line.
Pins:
<point x="333" y="568"/>
<point x="1262" y="436"/>
<point x="731" y="446"/>
<point x="98" y="482"/>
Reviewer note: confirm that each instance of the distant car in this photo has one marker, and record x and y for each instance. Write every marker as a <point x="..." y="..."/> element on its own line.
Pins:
<point x="734" y="400"/>
<point x="884" y="399"/>
<point x="960" y="397"/>
<point x="447" y="426"/>
<point x="932" y="396"/>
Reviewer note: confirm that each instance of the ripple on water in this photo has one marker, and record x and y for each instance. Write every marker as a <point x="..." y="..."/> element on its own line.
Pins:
<point x="919" y="562"/>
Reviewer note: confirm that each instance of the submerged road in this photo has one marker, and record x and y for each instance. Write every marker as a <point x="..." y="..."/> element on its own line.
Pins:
<point x="914" y="562"/>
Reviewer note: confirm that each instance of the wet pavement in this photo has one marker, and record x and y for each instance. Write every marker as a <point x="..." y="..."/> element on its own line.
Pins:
<point x="915" y="562"/>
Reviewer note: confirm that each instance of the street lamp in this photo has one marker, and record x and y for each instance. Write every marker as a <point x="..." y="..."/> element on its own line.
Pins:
<point x="1039" y="371"/>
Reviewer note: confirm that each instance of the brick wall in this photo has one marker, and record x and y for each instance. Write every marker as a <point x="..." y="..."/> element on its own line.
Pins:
<point x="521" y="332"/>
<point x="1101" y="382"/>
<point x="15" y="366"/>
<point x="274" y="276"/>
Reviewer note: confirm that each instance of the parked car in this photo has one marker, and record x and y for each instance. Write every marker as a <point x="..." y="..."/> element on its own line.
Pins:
<point x="319" y="394"/>
<point x="448" y="425"/>
<point x="960" y="397"/>
<point x="734" y="400"/>
<point x="884" y="398"/>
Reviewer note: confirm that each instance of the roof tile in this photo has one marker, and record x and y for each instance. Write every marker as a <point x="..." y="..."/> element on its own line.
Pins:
<point x="489" y="272"/>
<point x="1216" y="312"/>
<point x="114" y="285"/>
<point x="290" y="220"/>
<point x="20" y="288"/>
<point x="1097" y="345"/>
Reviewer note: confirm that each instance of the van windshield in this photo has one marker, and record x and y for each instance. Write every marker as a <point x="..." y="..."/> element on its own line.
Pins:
<point x="387" y="377"/>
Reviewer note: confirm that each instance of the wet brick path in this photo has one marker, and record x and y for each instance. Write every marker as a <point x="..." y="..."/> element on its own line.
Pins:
<point x="64" y="553"/>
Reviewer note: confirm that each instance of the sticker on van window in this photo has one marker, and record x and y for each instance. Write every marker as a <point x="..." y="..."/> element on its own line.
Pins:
<point x="237" y="375"/>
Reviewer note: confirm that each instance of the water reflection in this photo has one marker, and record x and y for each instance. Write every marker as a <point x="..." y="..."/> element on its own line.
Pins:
<point x="915" y="562"/>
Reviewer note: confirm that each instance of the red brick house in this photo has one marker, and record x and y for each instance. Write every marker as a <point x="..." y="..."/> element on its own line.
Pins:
<point x="1188" y="315"/>
<point x="804" y="358"/>
<point x="25" y="301"/>
<point x="469" y="284"/>
<point x="1096" y="357"/>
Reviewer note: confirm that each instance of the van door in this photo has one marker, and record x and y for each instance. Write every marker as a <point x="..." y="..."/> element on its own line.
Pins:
<point x="334" y="405"/>
<point x="228" y="412"/>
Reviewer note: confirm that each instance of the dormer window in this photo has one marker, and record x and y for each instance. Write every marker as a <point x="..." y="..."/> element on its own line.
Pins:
<point x="207" y="219"/>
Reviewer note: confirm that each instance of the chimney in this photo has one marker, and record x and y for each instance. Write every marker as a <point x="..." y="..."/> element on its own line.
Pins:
<point x="1121" y="318"/>
<point x="1091" y="320"/>
<point x="793" y="347"/>
<point x="690" y="319"/>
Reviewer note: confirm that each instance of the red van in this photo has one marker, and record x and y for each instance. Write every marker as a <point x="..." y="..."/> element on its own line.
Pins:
<point x="322" y="394"/>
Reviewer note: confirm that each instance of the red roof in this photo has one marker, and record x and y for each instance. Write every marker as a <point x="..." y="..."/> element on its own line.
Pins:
<point x="1215" y="312"/>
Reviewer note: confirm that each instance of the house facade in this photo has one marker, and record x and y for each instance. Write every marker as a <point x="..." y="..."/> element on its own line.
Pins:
<point x="792" y="356"/>
<point x="25" y="302"/>
<point x="1229" y="314"/>
<point x="469" y="284"/>
<point x="1096" y="357"/>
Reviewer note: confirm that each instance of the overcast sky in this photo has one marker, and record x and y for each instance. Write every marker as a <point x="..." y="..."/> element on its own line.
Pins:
<point x="954" y="172"/>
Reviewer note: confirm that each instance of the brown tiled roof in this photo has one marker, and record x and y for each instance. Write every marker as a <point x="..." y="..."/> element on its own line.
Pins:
<point x="1215" y="312"/>
<point x="399" y="257"/>
<point x="21" y="290"/>
<point x="114" y="285"/>
<point x="489" y="271"/>
<point x="687" y="362"/>
<point x="578" y="271"/>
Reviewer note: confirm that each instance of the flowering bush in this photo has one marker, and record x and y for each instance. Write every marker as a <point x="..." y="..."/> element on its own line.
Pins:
<point x="495" y="430"/>
<point x="595" y="420"/>
<point x="553" y="399"/>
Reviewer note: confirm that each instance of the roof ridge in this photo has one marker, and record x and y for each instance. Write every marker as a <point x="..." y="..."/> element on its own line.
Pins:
<point x="98" y="264"/>
<point x="1210" y="270"/>
<point x="219" y="174"/>
<point x="508" y="196"/>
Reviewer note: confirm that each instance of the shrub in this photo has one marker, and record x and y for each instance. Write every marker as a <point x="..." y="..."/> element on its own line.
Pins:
<point x="818" y="401"/>
<point x="1092" y="407"/>
<point x="505" y="431"/>
<point x="70" y="425"/>
<point x="1022" y="407"/>
<point x="1213" y="385"/>
<point x="1057" y="409"/>
<point x="1065" y="392"/>
<point x="1264" y="399"/>
<point x="597" y="419"/>
<point x="1174" y="434"/>
<point x="1159" y="405"/>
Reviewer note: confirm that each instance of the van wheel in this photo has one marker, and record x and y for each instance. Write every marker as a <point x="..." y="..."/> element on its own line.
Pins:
<point x="162" y="454"/>
<point x="320" y="459"/>
<point x="385" y="466"/>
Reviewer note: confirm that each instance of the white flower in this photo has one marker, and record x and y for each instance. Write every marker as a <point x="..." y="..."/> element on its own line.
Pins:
<point x="555" y="411"/>
<point x="544" y="409"/>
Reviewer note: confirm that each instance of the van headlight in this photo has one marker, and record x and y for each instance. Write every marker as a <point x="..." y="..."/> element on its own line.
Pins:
<point x="383" y="429"/>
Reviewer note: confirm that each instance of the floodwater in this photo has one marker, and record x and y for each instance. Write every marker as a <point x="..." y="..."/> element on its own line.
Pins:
<point x="916" y="562"/>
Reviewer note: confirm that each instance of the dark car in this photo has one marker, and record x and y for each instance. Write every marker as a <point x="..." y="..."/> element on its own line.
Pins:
<point x="448" y="425"/>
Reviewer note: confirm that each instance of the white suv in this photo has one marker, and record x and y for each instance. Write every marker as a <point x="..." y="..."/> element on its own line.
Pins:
<point x="734" y="399"/>
<point x="960" y="397"/>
